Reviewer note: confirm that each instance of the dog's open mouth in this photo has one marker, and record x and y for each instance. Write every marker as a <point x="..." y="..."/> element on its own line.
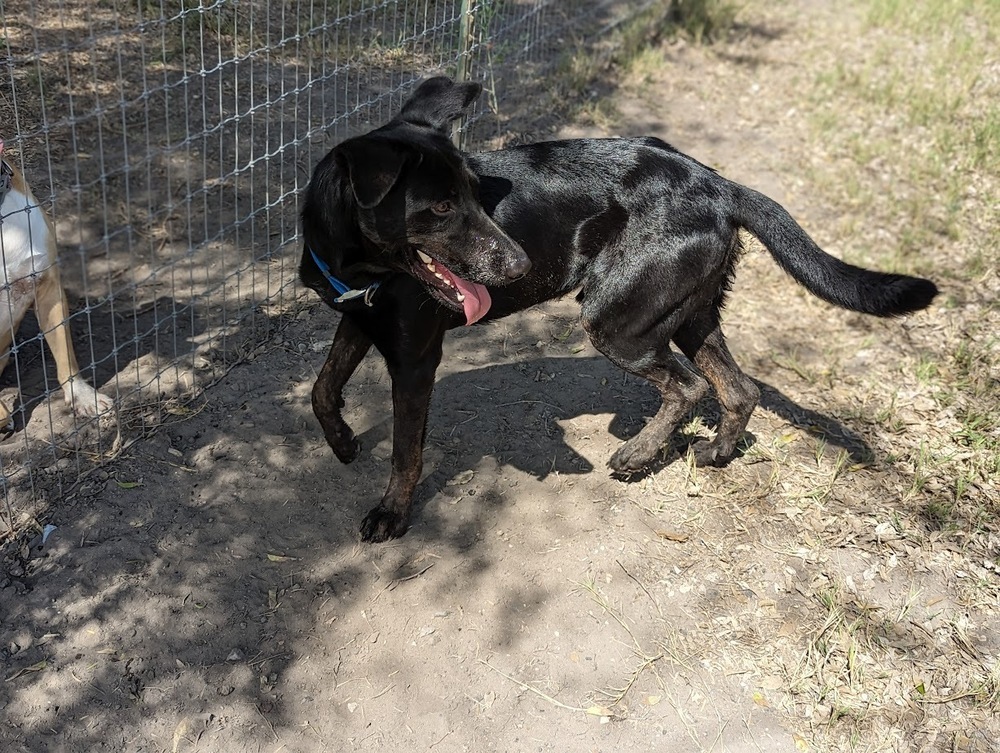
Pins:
<point x="454" y="292"/>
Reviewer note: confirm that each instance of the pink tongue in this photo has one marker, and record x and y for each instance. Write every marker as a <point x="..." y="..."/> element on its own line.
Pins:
<point x="477" y="299"/>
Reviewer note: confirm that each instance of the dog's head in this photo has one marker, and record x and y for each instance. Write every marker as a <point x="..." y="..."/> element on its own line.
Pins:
<point x="415" y="203"/>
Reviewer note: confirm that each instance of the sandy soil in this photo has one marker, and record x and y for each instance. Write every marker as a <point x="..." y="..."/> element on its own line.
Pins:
<point x="208" y="591"/>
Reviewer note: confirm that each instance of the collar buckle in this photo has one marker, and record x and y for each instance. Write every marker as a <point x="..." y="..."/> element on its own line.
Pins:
<point x="346" y="294"/>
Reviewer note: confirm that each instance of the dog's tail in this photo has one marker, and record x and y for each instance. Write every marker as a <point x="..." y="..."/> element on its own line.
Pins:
<point x="825" y="276"/>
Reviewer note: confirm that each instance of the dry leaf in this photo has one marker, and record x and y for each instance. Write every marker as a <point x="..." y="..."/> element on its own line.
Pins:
<point x="564" y="335"/>
<point x="179" y="731"/>
<point x="462" y="478"/>
<point x="600" y="711"/>
<point x="280" y="558"/>
<point x="800" y="743"/>
<point x="652" y="700"/>
<point x="36" y="667"/>
<point x="673" y="536"/>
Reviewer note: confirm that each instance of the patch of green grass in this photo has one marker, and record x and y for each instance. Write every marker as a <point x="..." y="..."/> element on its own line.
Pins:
<point x="633" y="45"/>
<point x="973" y="391"/>
<point x="917" y="121"/>
<point x="910" y="116"/>
<point x="927" y="368"/>
<point x="701" y="20"/>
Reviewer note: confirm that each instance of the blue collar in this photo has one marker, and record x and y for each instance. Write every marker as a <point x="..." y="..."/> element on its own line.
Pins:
<point x="346" y="293"/>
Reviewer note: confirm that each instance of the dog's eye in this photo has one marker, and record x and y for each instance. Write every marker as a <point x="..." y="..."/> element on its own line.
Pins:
<point x="442" y="208"/>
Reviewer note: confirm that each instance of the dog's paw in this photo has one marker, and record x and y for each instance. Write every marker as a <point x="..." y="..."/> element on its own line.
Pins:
<point x="381" y="524"/>
<point x="706" y="453"/>
<point x="634" y="456"/>
<point x="346" y="448"/>
<point x="85" y="401"/>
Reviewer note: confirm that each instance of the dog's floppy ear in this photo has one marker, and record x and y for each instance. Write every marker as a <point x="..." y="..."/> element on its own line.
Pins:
<point x="372" y="166"/>
<point x="439" y="101"/>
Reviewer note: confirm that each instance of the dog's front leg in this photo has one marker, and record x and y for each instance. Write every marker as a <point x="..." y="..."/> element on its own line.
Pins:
<point x="350" y="345"/>
<point x="412" y="384"/>
<point x="52" y="311"/>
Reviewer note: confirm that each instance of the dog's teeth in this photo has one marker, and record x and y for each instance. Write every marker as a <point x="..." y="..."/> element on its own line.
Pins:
<point x="460" y="297"/>
<point x="432" y="268"/>
<point x="439" y="275"/>
<point x="424" y="258"/>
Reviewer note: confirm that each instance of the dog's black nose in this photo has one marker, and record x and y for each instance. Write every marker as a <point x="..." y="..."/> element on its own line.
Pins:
<point x="517" y="266"/>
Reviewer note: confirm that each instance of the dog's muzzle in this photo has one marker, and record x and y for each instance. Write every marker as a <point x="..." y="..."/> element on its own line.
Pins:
<point x="517" y="266"/>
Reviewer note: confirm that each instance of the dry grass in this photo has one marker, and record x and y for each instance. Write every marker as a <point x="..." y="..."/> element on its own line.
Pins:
<point x="920" y="156"/>
<point x="879" y="625"/>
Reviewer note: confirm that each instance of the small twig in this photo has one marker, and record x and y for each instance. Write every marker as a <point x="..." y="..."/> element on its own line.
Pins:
<point x="414" y="575"/>
<point x="619" y="618"/>
<point x="644" y="590"/>
<point x="648" y="661"/>
<point x="388" y="688"/>
<point x="718" y="737"/>
<point x="536" y="691"/>
<point x="396" y="581"/>
<point x="266" y="721"/>
<point x="441" y="740"/>
<point x="529" y="402"/>
<point x="949" y="698"/>
<point x="257" y="661"/>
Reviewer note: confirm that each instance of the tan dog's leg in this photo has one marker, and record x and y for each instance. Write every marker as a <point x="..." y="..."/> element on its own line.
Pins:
<point x="52" y="311"/>
<point x="6" y="340"/>
<point x="14" y="304"/>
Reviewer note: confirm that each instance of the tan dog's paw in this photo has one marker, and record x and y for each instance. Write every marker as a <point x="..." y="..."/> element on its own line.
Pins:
<point x="84" y="400"/>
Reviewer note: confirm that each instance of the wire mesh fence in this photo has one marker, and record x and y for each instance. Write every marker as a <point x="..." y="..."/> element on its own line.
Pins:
<point x="168" y="142"/>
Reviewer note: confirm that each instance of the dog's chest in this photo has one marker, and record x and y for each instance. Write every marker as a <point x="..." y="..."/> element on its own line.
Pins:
<point x="24" y="242"/>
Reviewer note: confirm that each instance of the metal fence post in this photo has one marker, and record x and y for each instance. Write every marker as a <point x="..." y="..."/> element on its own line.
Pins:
<point x="464" y="51"/>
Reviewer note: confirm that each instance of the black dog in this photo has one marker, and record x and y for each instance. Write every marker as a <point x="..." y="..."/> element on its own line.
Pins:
<point x="647" y="235"/>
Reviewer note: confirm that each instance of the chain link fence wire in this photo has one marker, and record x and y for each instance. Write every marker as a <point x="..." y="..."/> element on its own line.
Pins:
<point x="169" y="142"/>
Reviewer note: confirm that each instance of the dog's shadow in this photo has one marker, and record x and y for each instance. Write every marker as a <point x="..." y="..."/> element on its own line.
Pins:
<point x="524" y="415"/>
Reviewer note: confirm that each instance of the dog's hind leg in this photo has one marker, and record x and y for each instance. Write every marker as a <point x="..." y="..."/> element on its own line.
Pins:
<point x="7" y="328"/>
<point x="638" y="340"/>
<point x="701" y="340"/>
<point x="680" y="389"/>
<point x="350" y="345"/>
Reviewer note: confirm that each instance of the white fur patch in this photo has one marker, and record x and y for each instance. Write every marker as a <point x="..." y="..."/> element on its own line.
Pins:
<point x="24" y="244"/>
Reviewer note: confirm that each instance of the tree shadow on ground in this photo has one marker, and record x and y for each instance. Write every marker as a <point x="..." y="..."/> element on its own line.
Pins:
<point x="222" y="551"/>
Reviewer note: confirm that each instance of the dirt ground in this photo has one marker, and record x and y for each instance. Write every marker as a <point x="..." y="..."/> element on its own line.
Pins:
<point x="208" y="591"/>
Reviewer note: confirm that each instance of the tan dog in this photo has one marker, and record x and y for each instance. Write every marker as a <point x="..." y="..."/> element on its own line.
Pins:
<point x="31" y="277"/>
